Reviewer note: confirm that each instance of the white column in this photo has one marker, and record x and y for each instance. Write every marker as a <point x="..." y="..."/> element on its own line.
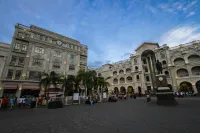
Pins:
<point x="195" y="88"/>
<point x="1" y="92"/>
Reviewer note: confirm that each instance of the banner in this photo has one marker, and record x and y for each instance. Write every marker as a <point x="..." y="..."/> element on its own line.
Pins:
<point x="104" y="95"/>
<point x="76" y="96"/>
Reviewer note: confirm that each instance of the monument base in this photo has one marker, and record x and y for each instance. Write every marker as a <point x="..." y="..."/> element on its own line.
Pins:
<point x="166" y="98"/>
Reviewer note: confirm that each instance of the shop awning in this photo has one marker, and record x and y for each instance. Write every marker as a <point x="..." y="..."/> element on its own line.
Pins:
<point x="31" y="86"/>
<point x="10" y="86"/>
<point x="57" y="86"/>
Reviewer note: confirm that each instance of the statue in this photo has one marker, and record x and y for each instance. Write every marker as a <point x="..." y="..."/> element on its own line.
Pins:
<point x="159" y="67"/>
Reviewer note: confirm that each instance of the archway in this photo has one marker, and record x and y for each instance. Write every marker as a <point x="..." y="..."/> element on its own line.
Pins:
<point x="198" y="86"/>
<point x="116" y="90"/>
<point x="149" y="59"/>
<point x="186" y="86"/>
<point x="130" y="90"/>
<point x="123" y="90"/>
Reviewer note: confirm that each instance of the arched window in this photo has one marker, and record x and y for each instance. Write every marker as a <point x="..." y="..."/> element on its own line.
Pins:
<point x="122" y="80"/>
<point x="115" y="81"/>
<point x="196" y="70"/>
<point x="179" y="61"/>
<point x="114" y="73"/>
<point x="121" y="72"/>
<point x="128" y="70"/>
<point x="194" y="58"/>
<point x="137" y="77"/>
<point x="167" y="74"/>
<point x="129" y="79"/>
<point x="164" y="62"/>
<point x="182" y="72"/>
<point x="136" y="68"/>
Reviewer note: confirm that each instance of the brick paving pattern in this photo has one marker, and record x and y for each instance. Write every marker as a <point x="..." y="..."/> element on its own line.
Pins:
<point x="130" y="116"/>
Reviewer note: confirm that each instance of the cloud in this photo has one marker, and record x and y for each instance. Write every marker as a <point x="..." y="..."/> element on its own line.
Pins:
<point x="182" y="7"/>
<point x="180" y="35"/>
<point x="190" y="5"/>
<point x="191" y="14"/>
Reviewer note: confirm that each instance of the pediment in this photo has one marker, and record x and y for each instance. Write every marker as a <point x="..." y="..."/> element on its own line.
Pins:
<point x="146" y="45"/>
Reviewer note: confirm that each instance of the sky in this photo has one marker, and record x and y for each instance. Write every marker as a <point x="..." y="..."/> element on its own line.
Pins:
<point x="112" y="29"/>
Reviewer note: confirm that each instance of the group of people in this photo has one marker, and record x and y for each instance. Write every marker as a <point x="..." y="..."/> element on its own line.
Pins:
<point x="183" y="94"/>
<point x="14" y="102"/>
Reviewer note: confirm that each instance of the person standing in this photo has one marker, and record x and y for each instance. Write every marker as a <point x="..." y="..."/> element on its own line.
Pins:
<point x="11" y="103"/>
<point x="5" y="103"/>
<point x="1" y="100"/>
<point x="20" y="102"/>
<point x="148" y="97"/>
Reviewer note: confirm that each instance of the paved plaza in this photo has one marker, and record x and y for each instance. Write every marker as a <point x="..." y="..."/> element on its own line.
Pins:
<point x="130" y="116"/>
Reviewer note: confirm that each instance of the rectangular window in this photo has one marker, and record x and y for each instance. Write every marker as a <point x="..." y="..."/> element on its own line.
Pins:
<point x="71" y="46"/>
<point x="39" y="50"/>
<point x="72" y="59"/>
<point x="71" y="67"/>
<point x="34" y="75"/>
<point x="10" y="74"/>
<point x="57" y="54"/>
<point x="17" y="46"/>
<point x="21" y="61"/>
<point x="37" y="62"/>
<point x="147" y="78"/>
<point x="13" y="60"/>
<point x="24" y="48"/>
<point x="56" y="65"/>
<point x="18" y="74"/>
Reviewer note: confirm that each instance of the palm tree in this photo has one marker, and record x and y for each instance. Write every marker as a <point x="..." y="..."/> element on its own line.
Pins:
<point x="103" y="83"/>
<point x="48" y="79"/>
<point x="87" y="78"/>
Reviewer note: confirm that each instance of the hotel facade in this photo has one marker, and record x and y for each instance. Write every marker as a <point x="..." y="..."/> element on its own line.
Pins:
<point x="35" y="50"/>
<point x="181" y="65"/>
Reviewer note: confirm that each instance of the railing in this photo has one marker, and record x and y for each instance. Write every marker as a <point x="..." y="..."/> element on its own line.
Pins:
<point x="23" y="26"/>
<point x="186" y="44"/>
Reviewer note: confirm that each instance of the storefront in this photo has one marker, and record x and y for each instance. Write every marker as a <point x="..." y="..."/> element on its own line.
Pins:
<point x="10" y="90"/>
<point x="30" y="90"/>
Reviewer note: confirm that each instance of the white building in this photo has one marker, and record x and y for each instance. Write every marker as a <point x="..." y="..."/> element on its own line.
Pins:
<point x="181" y="65"/>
